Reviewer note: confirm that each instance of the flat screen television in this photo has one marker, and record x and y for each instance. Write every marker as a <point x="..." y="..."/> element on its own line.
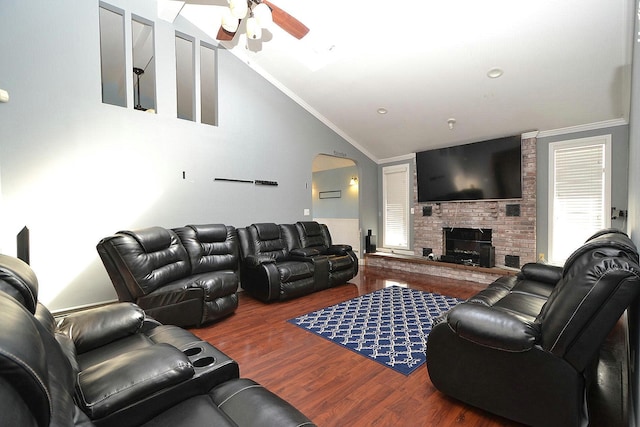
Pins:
<point x="487" y="170"/>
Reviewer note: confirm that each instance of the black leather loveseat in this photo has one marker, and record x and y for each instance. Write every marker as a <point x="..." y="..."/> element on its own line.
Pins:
<point x="526" y="346"/>
<point x="111" y="366"/>
<point x="279" y="262"/>
<point x="184" y="276"/>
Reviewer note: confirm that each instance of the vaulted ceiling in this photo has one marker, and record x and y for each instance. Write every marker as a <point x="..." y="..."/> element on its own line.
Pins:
<point x="562" y="64"/>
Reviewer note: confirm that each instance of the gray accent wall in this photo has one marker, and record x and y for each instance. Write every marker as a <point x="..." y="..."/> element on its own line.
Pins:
<point x="75" y="170"/>
<point x="334" y="180"/>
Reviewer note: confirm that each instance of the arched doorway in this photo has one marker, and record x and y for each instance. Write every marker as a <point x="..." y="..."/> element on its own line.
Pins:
<point x="336" y="198"/>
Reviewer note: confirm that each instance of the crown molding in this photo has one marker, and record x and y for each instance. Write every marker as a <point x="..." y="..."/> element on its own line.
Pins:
<point x="582" y="128"/>
<point x="409" y="156"/>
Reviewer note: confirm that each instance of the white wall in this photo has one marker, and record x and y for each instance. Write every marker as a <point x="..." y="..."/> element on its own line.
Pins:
<point x="75" y="170"/>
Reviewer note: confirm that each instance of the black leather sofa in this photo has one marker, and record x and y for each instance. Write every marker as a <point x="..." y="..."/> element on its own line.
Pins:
<point x="185" y="276"/>
<point x="111" y="366"/>
<point x="526" y="347"/>
<point x="279" y="262"/>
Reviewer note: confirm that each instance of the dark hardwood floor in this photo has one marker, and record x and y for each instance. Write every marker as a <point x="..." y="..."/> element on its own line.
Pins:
<point x="337" y="387"/>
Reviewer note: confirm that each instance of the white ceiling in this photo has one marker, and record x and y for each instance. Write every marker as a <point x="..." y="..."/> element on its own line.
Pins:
<point x="566" y="63"/>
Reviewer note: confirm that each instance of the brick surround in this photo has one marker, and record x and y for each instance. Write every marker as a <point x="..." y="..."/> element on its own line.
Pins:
<point x="512" y="235"/>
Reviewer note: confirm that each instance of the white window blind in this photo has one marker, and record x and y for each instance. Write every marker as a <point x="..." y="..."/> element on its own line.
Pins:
<point x="395" y="189"/>
<point x="579" y="196"/>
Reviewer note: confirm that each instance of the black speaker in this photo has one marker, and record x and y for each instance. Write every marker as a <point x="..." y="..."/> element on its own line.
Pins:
<point x="487" y="256"/>
<point x="370" y="243"/>
<point x="22" y="244"/>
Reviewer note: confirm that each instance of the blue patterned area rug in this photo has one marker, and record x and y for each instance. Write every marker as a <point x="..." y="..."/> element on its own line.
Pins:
<point x="389" y="326"/>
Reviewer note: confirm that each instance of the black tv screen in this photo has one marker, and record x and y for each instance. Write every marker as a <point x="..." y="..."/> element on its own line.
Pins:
<point x="487" y="170"/>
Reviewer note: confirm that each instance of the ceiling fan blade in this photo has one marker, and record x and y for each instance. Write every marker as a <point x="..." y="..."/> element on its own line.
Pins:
<point x="287" y="22"/>
<point x="224" y="35"/>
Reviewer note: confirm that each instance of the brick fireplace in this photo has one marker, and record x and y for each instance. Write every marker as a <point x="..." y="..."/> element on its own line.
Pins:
<point x="513" y="222"/>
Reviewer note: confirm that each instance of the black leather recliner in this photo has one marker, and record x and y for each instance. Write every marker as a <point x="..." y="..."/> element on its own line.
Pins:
<point x="267" y="269"/>
<point x="186" y="277"/>
<point x="314" y="239"/>
<point x="282" y="261"/>
<point x="110" y="366"/>
<point x="526" y="346"/>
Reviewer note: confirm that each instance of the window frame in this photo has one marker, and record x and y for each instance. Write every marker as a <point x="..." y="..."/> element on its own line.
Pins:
<point x="576" y="240"/>
<point x="387" y="242"/>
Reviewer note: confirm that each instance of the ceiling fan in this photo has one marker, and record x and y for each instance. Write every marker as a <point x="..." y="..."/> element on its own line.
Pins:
<point x="260" y="14"/>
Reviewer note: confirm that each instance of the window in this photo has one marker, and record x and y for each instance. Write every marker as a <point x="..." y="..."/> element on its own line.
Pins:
<point x="144" y="68"/>
<point x="579" y="193"/>
<point x="395" y="193"/>
<point x="208" y="85"/>
<point x="185" y="80"/>
<point x="112" y="67"/>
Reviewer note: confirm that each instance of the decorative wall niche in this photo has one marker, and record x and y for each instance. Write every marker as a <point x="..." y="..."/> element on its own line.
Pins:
<point x="185" y="77"/>
<point x="144" y="68"/>
<point x="112" y="56"/>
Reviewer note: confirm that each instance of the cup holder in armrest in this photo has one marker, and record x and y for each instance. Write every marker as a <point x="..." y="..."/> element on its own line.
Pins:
<point x="192" y="351"/>
<point x="204" y="361"/>
<point x="212" y="367"/>
<point x="200" y="355"/>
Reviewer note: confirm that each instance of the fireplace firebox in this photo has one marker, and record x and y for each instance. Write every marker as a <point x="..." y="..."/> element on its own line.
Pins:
<point x="464" y="245"/>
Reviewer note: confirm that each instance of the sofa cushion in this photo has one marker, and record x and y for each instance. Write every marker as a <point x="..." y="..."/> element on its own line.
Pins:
<point x="153" y="257"/>
<point x="99" y="326"/>
<point x="584" y="305"/>
<point x="267" y="231"/>
<point x="267" y="409"/>
<point x="152" y="239"/>
<point x="311" y="235"/>
<point x="211" y="247"/>
<point x="196" y="411"/>
<point x="19" y="281"/>
<point x="130" y="377"/>
<point x="215" y="284"/>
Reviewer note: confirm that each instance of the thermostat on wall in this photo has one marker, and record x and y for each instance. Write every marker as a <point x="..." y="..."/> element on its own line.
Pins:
<point x="4" y="95"/>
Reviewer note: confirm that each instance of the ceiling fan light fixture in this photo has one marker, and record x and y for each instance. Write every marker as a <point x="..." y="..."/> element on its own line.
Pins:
<point x="262" y="13"/>
<point x="239" y="8"/>
<point x="229" y="22"/>
<point x="254" y="31"/>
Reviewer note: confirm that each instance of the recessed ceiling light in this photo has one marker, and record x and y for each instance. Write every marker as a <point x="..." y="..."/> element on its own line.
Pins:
<point x="382" y="110"/>
<point x="495" y="72"/>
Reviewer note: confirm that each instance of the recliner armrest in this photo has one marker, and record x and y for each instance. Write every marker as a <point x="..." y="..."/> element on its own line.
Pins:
<point x="339" y="249"/>
<point x="541" y="272"/>
<point x="99" y="326"/>
<point x="304" y="252"/>
<point x="254" y="261"/>
<point x="493" y="328"/>
<point x="129" y="378"/>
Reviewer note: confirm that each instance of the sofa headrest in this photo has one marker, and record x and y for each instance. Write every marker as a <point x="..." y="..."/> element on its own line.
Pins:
<point x="23" y="359"/>
<point x="19" y="281"/>
<point x="209" y="233"/>
<point x="607" y="244"/>
<point x="311" y="228"/>
<point x="606" y="231"/>
<point x="267" y="231"/>
<point x="152" y="239"/>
